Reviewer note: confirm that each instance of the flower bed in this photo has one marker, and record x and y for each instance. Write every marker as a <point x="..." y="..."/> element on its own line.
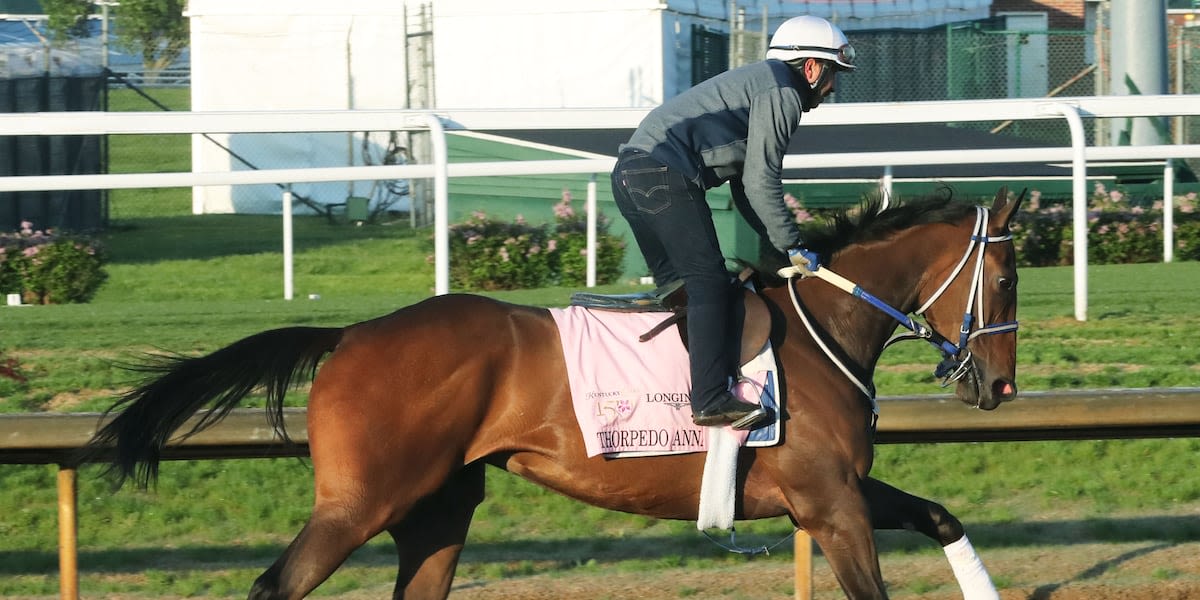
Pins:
<point x="487" y="254"/>
<point x="47" y="267"/>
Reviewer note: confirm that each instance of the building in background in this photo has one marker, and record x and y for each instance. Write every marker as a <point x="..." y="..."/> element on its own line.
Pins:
<point x="454" y="54"/>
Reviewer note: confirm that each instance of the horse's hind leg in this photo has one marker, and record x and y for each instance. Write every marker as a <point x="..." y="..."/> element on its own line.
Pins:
<point x="330" y="535"/>
<point x="892" y="508"/>
<point x="350" y="509"/>
<point x="430" y="538"/>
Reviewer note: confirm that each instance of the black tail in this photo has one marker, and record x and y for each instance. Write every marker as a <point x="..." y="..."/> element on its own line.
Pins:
<point x="177" y="387"/>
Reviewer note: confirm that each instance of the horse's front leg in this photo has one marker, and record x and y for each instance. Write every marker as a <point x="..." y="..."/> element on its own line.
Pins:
<point x="839" y="521"/>
<point x="894" y="509"/>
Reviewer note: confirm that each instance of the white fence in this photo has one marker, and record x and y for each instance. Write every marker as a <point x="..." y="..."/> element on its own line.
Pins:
<point x="1073" y="110"/>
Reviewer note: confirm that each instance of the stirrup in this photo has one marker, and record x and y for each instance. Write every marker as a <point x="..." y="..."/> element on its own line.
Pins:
<point x="750" y="420"/>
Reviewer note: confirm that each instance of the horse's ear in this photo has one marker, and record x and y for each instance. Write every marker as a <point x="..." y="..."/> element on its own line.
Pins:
<point x="1003" y="209"/>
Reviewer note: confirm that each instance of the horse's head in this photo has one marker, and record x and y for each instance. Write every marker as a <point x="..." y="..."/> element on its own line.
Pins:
<point x="976" y="306"/>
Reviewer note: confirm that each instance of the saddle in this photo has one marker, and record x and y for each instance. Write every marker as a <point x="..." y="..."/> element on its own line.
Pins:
<point x="672" y="298"/>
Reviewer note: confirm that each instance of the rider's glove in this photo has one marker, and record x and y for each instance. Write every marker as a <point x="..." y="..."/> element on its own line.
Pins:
<point x="805" y="260"/>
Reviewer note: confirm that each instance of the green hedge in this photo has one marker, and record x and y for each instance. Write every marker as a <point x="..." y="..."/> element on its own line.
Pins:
<point x="47" y="267"/>
<point x="1119" y="231"/>
<point x="489" y="254"/>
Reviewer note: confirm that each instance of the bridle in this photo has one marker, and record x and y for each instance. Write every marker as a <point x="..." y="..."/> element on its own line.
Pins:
<point x="956" y="358"/>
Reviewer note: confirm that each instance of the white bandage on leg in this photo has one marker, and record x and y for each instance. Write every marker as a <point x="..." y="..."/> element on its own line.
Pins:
<point x="969" y="571"/>
<point x="718" y="487"/>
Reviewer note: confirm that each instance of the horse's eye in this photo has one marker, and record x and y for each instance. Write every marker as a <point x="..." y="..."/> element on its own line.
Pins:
<point x="1006" y="283"/>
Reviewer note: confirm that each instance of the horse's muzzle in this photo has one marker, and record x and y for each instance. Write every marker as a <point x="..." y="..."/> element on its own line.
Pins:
<point x="981" y="392"/>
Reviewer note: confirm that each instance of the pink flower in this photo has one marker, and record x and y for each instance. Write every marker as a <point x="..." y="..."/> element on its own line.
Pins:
<point x="552" y="245"/>
<point x="563" y="209"/>
<point x="503" y="254"/>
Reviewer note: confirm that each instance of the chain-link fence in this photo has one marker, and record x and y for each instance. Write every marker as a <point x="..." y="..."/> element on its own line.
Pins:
<point x="986" y="60"/>
<point x="973" y="61"/>
<point x="1183" y="56"/>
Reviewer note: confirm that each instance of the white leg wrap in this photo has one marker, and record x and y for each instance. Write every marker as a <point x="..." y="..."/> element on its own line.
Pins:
<point x="717" y="493"/>
<point x="969" y="570"/>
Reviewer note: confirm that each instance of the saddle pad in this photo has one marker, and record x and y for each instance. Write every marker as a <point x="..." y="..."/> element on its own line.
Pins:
<point x="631" y="398"/>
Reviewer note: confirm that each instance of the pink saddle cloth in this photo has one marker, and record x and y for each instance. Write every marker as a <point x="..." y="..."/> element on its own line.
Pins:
<point x="632" y="398"/>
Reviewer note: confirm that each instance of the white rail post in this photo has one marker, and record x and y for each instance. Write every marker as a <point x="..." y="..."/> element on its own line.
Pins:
<point x="288" y="280"/>
<point x="441" y="206"/>
<point x="1169" y="211"/>
<point x="591" y="231"/>
<point x="1079" y="203"/>
<point x="885" y="186"/>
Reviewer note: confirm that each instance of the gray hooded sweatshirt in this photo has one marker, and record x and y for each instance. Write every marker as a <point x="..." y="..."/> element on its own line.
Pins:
<point x="735" y="125"/>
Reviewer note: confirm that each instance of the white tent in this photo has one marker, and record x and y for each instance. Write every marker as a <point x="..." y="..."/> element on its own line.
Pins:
<point x="291" y="54"/>
<point x="353" y="54"/>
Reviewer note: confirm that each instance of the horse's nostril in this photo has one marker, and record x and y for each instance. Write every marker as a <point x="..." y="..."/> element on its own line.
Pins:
<point x="1004" y="389"/>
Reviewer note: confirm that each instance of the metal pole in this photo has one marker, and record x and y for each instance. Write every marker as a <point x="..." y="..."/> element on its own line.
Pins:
<point x="592" y="218"/>
<point x="68" y="534"/>
<point x="441" y="206"/>
<point x="803" y="567"/>
<point x="104" y="34"/>
<point x="288" y="282"/>
<point x="885" y="186"/>
<point x="1079" y="203"/>
<point x="1169" y="211"/>
<point x="1179" y="81"/>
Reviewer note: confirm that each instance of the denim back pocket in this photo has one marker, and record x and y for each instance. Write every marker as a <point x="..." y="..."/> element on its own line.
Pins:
<point x="649" y="189"/>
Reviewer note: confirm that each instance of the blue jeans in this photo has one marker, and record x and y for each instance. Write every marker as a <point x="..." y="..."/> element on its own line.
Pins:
<point x="674" y="229"/>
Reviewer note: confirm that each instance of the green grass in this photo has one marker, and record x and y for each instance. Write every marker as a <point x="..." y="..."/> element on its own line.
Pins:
<point x="160" y="153"/>
<point x="195" y="283"/>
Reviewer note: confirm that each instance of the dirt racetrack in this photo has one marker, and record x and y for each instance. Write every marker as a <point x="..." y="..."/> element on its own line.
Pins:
<point x="1126" y="571"/>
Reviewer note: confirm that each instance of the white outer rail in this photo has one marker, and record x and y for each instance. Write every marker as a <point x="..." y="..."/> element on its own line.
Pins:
<point x="1072" y="109"/>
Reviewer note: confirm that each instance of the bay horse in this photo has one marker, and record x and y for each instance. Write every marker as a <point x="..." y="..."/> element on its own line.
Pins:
<point x="406" y="410"/>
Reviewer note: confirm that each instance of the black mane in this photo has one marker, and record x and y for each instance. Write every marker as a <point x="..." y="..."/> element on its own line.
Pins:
<point x="867" y="222"/>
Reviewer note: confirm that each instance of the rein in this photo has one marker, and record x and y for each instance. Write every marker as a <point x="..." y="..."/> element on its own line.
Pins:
<point x="956" y="358"/>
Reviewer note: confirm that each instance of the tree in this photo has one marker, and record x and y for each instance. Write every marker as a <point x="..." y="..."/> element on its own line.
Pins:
<point x="155" y="29"/>
<point x="66" y="19"/>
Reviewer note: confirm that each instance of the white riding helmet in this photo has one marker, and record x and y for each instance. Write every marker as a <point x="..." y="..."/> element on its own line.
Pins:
<point x="809" y="36"/>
